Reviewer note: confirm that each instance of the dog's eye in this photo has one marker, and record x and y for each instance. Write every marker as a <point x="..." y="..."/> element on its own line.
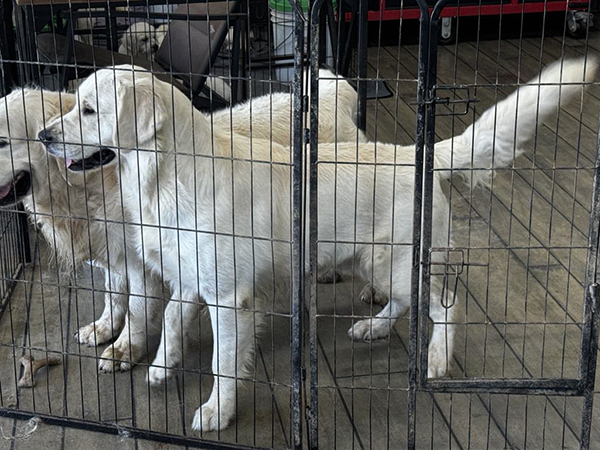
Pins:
<point x="145" y="39"/>
<point x="88" y="110"/>
<point x="3" y="144"/>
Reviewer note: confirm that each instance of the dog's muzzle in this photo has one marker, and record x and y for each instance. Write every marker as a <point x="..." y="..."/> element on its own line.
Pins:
<point x="100" y="158"/>
<point x="14" y="191"/>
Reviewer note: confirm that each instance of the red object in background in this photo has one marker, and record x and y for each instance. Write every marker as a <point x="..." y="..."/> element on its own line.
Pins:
<point x="390" y="11"/>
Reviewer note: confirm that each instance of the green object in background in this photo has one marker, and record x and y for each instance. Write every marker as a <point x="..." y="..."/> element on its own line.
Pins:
<point x="286" y="6"/>
<point x="47" y="28"/>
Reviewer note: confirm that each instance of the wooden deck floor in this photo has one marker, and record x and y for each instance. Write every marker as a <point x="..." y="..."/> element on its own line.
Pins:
<point x="520" y="303"/>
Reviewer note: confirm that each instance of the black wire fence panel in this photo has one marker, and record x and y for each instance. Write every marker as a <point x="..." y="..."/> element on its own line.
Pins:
<point x="298" y="225"/>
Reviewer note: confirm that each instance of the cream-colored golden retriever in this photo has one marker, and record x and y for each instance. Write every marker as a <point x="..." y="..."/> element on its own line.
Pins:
<point x="213" y="213"/>
<point x="80" y="213"/>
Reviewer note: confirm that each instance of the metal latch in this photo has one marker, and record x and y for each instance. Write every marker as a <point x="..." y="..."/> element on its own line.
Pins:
<point x="450" y="264"/>
<point x="446" y="96"/>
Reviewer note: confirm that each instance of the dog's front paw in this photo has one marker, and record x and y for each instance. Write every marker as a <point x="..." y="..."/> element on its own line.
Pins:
<point x="437" y="363"/>
<point x="369" y="295"/>
<point x="95" y="333"/>
<point x="370" y="329"/>
<point x="209" y="417"/>
<point x="158" y="375"/>
<point x="115" y="358"/>
<point x="329" y="276"/>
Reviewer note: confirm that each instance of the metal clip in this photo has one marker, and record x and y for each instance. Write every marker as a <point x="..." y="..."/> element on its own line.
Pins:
<point x="452" y="264"/>
<point x="451" y="100"/>
<point x="444" y="304"/>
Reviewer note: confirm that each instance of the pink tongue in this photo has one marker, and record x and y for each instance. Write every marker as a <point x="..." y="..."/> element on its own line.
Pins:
<point x="5" y="190"/>
<point x="69" y="162"/>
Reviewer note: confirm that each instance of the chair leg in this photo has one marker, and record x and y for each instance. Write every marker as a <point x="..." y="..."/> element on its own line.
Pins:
<point x="347" y="37"/>
<point x="332" y="32"/>
<point x="244" y="69"/>
<point x="9" y="75"/>
<point x="362" y="64"/>
<point x="235" y="62"/>
<point x="69" y="44"/>
<point x="111" y="21"/>
<point x="31" y="50"/>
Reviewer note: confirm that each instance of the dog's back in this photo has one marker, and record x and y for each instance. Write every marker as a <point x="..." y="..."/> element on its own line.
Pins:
<point x="269" y="116"/>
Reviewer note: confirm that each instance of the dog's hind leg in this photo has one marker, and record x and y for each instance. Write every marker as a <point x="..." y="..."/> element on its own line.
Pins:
<point x="327" y="270"/>
<point x="375" y="265"/>
<point x="179" y="315"/>
<point x="379" y="326"/>
<point x="141" y="324"/>
<point x="328" y="276"/>
<point x="370" y="294"/>
<point x="115" y="307"/>
<point x="441" y="344"/>
<point x="233" y="343"/>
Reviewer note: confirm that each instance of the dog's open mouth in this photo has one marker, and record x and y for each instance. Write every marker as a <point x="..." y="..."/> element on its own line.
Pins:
<point x="15" y="190"/>
<point x="100" y="158"/>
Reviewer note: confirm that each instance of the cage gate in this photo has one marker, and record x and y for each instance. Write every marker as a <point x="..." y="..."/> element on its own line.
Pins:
<point x="442" y="267"/>
<point x="448" y="268"/>
<point x="321" y="313"/>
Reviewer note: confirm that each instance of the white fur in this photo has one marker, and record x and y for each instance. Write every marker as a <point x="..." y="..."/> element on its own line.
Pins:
<point x="502" y="130"/>
<point x="139" y="40"/>
<point x="101" y="242"/>
<point x="160" y="33"/>
<point x="270" y="116"/>
<point x="180" y="182"/>
<point x="62" y="204"/>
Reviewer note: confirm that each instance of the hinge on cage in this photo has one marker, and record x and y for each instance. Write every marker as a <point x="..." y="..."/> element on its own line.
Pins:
<point x="310" y="420"/>
<point x="594" y="288"/>
<point x="305" y="103"/>
<point x="449" y="101"/>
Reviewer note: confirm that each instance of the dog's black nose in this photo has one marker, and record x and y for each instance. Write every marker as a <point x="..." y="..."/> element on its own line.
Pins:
<point x="155" y="47"/>
<point x="43" y="136"/>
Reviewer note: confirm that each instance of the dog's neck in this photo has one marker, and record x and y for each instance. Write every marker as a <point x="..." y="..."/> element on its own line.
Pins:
<point x="189" y="133"/>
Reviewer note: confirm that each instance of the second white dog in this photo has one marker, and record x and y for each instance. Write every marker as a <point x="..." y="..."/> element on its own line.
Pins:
<point x="215" y="213"/>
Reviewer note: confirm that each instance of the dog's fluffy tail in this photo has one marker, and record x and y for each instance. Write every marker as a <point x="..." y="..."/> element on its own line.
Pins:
<point x="499" y="135"/>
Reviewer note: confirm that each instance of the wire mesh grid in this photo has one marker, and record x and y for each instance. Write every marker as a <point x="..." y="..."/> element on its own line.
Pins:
<point x="214" y="233"/>
<point x="13" y="256"/>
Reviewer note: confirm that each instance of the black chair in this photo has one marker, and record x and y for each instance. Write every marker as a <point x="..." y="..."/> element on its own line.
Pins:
<point x="190" y="48"/>
<point x="83" y="59"/>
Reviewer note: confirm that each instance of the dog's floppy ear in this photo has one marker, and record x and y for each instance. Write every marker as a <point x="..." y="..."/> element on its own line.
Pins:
<point x="67" y="102"/>
<point x="140" y="110"/>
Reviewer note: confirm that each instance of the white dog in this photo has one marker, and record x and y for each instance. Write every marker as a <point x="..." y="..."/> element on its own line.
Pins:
<point x="139" y="40"/>
<point x="216" y="211"/>
<point x="160" y="33"/>
<point x="62" y="208"/>
<point x="270" y="116"/>
<point x="81" y="218"/>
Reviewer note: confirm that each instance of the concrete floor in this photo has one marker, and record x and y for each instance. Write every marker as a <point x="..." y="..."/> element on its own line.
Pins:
<point x="520" y="303"/>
